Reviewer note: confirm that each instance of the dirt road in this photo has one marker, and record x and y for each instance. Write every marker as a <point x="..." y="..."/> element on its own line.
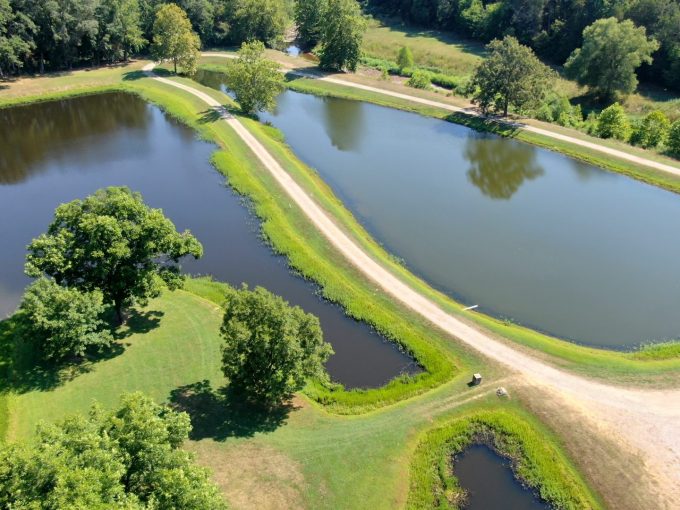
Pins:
<point x="644" y="421"/>
<point x="471" y="111"/>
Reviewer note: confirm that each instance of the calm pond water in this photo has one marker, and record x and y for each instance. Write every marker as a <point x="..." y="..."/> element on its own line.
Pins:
<point x="54" y="152"/>
<point x="527" y="234"/>
<point x="490" y="482"/>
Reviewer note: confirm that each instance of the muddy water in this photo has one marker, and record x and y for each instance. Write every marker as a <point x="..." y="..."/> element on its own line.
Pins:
<point x="55" y="152"/>
<point x="527" y="234"/>
<point x="490" y="484"/>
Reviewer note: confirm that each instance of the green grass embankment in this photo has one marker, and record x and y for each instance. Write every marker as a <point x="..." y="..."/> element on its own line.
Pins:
<point x="536" y="462"/>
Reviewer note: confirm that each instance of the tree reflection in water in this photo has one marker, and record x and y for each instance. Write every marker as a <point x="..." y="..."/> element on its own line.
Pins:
<point x="344" y="123"/>
<point x="498" y="166"/>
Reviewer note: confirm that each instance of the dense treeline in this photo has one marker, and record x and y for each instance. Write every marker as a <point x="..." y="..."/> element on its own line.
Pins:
<point x="61" y="34"/>
<point x="553" y="28"/>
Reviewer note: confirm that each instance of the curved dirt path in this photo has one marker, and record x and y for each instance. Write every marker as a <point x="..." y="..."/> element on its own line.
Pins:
<point x="638" y="160"/>
<point x="647" y="422"/>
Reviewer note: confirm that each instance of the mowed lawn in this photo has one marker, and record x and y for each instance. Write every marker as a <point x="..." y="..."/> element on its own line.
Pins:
<point x="298" y="457"/>
<point x="176" y="343"/>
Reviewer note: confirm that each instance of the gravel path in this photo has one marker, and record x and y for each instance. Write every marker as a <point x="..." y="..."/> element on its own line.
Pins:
<point x="647" y="422"/>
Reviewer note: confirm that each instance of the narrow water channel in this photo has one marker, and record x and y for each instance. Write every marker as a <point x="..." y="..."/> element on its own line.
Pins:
<point x="54" y="152"/>
<point x="490" y="483"/>
<point x="527" y="234"/>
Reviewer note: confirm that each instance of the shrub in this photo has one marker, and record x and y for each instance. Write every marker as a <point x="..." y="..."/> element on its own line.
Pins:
<point x="62" y="322"/>
<point x="405" y="58"/>
<point x="653" y="130"/>
<point x="613" y="123"/>
<point x="419" y="80"/>
<point x="673" y="141"/>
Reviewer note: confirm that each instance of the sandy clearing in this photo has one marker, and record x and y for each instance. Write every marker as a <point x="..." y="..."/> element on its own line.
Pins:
<point x="471" y="111"/>
<point x="645" y="421"/>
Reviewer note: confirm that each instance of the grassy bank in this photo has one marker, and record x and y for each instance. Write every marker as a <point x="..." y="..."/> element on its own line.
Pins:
<point x="537" y="463"/>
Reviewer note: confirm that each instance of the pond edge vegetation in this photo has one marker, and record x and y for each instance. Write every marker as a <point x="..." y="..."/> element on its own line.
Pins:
<point x="538" y="464"/>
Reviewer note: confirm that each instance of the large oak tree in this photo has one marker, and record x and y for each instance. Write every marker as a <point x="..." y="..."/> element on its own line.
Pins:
<point x="113" y="242"/>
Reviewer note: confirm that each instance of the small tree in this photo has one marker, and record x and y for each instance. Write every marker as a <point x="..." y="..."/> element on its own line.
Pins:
<point x="613" y="123"/>
<point x="610" y="54"/>
<point x="270" y="348"/>
<point x="62" y="322"/>
<point x="342" y="31"/>
<point x="129" y="458"/>
<point x="309" y="21"/>
<point x="653" y="130"/>
<point x="255" y="80"/>
<point x="510" y="76"/>
<point x="405" y="58"/>
<point x="419" y="80"/>
<point x="173" y="38"/>
<point x="673" y="142"/>
<point x="112" y="242"/>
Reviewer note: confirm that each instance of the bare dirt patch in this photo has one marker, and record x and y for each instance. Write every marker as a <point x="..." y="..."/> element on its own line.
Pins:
<point x="253" y="476"/>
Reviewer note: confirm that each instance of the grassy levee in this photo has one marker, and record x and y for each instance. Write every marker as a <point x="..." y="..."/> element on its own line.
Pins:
<point x="513" y="434"/>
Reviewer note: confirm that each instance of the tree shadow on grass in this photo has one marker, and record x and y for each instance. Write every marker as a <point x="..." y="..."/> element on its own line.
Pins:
<point x="139" y="74"/>
<point x="22" y="370"/>
<point x="138" y="323"/>
<point x="223" y="413"/>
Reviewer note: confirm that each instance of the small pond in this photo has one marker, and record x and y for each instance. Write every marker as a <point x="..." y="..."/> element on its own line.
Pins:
<point x="54" y="152"/>
<point x="490" y="483"/>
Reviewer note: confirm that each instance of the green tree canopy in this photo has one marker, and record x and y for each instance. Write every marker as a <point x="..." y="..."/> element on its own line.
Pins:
<point x="174" y="39"/>
<point x="309" y="20"/>
<point x="510" y="76"/>
<point x="673" y="141"/>
<point x="128" y="458"/>
<point x="111" y="241"/>
<point x="613" y="123"/>
<point x="270" y="348"/>
<point x="653" y="130"/>
<point x="405" y="58"/>
<point x="60" y="321"/>
<point x="254" y="80"/>
<point x="122" y="30"/>
<point x="263" y="20"/>
<point x="16" y="38"/>
<point x="611" y="52"/>
<point x="342" y="32"/>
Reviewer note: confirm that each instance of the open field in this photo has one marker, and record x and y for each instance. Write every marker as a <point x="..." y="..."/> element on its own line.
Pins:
<point x="458" y="56"/>
<point x="309" y="473"/>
